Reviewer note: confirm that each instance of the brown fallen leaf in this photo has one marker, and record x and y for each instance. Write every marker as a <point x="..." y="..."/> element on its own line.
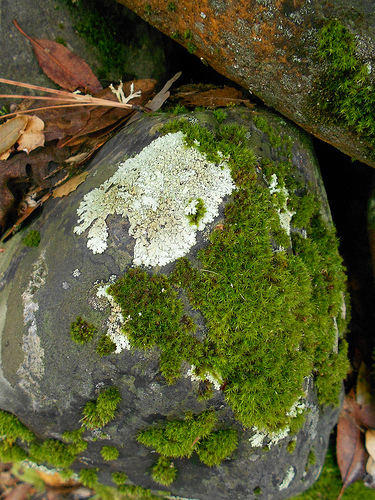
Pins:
<point x="365" y="413"/>
<point x="351" y="453"/>
<point x="370" y="442"/>
<point x="160" y="98"/>
<point x="32" y="136"/>
<point x="19" y="492"/>
<point x="10" y="131"/>
<point x="69" y="186"/>
<point x="209" y="96"/>
<point x="62" y="66"/>
<point x="370" y="466"/>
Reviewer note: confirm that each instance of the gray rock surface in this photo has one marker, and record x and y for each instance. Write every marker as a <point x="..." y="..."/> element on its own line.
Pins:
<point x="45" y="379"/>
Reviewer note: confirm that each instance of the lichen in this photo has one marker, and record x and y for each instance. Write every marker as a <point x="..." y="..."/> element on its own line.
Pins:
<point x="287" y="479"/>
<point x="154" y="190"/>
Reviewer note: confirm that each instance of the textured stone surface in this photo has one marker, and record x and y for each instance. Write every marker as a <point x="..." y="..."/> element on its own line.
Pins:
<point x="45" y="379"/>
<point x="268" y="47"/>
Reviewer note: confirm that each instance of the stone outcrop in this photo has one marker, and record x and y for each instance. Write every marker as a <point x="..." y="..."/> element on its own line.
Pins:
<point x="270" y="48"/>
<point x="247" y="194"/>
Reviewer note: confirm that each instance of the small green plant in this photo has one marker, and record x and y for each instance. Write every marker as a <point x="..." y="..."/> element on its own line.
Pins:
<point x="61" y="40"/>
<point x="200" y="211"/>
<point x="81" y="331"/>
<point x="89" y="477"/>
<point x="119" y="477"/>
<point x="179" y="109"/>
<point x="32" y="239"/>
<point x="97" y="414"/>
<point x="164" y="471"/>
<point x="105" y="346"/>
<point x="191" y="48"/>
<point x="147" y="9"/>
<point x="188" y="35"/>
<point x="109" y="453"/>
<point x="220" y="115"/>
<point x="213" y="449"/>
<point x="257" y="491"/>
<point x="171" y="7"/>
<point x="291" y="446"/>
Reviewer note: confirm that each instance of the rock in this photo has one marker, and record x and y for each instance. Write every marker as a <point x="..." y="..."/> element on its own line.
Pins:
<point x="271" y="49"/>
<point x="266" y="297"/>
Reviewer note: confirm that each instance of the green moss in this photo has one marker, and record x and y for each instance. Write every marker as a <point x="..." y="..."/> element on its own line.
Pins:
<point x="269" y="315"/>
<point x="12" y="429"/>
<point x="291" y="446"/>
<point x="179" y="109"/>
<point x="54" y="453"/>
<point x="105" y="346"/>
<point x="152" y="301"/>
<point x="164" y="471"/>
<point x="32" y="239"/>
<point x="220" y="115"/>
<point x="89" y="477"/>
<point x="191" y="48"/>
<point x="344" y="94"/>
<point x="311" y="459"/>
<point x="97" y="414"/>
<point x="181" y="438"/>
<point x="11" y="452"/>
<point x="200" y="211"/>
<point x="119" y="477"/>
<point x="81" y="331"/>
<point x="171" y="7"/>
<point x="257" y="491"/>
<point x="74" y="436"/>
<point x="213" y="449"/>
<point x="60" y="39"/>
<point x="109" y="453"/>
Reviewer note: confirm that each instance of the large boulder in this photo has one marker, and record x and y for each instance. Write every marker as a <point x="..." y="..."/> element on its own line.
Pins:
<point x="207" y="261"/>
<point x="270" y="48"/>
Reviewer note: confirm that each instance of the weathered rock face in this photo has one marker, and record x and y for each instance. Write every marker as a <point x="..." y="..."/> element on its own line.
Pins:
<point x="268" y="308"/>
<point x="270" y="49"/>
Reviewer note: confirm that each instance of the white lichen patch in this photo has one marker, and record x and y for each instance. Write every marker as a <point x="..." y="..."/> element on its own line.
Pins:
<point x="115" y="320"/>
<point x="32" y="368"/>
<point x="285" y="215"/>
<point x="215" y="381"/>
<point x="155" y="190"/>
<point x="287" y="479"/>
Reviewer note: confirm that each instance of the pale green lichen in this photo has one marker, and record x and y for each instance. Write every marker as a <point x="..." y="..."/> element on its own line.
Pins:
<point x="154" y="190"/>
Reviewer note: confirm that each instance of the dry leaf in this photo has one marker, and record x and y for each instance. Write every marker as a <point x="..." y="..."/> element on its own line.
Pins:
<point x="366" y="411"/>
<point x="70" y="186"/>
<point x="62" y="66"/>
<point x="370" y="442"/>
<point x="209" y="96"/>
<point x="10" y="131"/>
<point x="370" y="466"/>
<point x="20" y="492"/>
<point x="32" y="136"/>
<point x="157" y="102"/>
<point x="351" y="453"/>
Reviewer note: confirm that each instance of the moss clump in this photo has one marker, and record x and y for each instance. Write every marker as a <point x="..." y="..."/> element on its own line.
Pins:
<point x="291" y="446"/>
<point x="105" y="346"/>
<point x="32" y="239"/>
<point x="344" y="92"/>
<point x="119" y="477"/>
<point x="220" y="115"/>
<point x="89" y="477"/>
<point x="171" y="7"/>
<point x="200" y="211"/>
<point x="109" y="453"/>
<point x="97" y="414"/>
<point x="181" y="438"/>
<point x="55" y="453"/>
<point x="156" y="317"/>
<point x="164" y="472"/>
<point x="11" y="432"/>
<point x="81" y="331"/>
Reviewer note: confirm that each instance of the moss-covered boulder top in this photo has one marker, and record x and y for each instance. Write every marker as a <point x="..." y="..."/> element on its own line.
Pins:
<point x="188" y="299"/>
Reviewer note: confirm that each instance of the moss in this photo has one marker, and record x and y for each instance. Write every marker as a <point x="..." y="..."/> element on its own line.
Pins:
<point x="119" y="477"/>
<point x="291" y="446"/>
<point x="32" y="239"/>
<point x="269" y="315"/>
<point x="12" y="429"/>
<point x="220" y="115"/>
<point x="105" y="346"/>
<point x="11" y="452"/>
<point x="74" y="436"/>
<point x="60" y="39"/>
<point x="109" y="453"/>
<point x="54" y="453"/>
<point x="181" y="438"/>
<point x="191" y="48"/>
<point x="89" y="477"/>
<point x="217" y="446"/>
<point x="164" y="471"/>
<point x="97" y="414"/>
<point x="344" y="94"/>
<point x="257" y="491"/>
<point x="200" y="211"/>
<point x="171" y="7"/>
<point x="81" y="331"/>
